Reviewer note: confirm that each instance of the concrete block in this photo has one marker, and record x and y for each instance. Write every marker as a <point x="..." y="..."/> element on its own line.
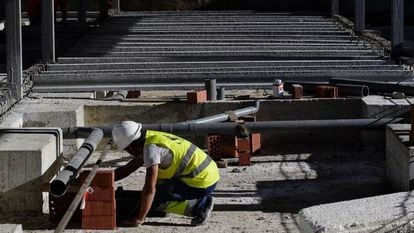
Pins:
<point x="24" y="169"/>
<point x="66" y="117"/>
<point x="374" y="214"/>
<point x="11" y="228"/>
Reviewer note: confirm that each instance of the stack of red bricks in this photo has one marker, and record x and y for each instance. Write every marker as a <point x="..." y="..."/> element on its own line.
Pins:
<point x="229" y="146"/>
<point x="99" y="211"/>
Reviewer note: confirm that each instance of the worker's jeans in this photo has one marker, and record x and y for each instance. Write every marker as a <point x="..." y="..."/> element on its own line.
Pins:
<point x="176" y="190"/>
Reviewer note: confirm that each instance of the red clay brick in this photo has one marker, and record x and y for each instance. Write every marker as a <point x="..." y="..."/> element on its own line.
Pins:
<point x="102" y="179"/>
<point x="99" y="208"/>
<point x="196" y="97"/>
<point x="243" y="144"/>
<point x="229" y="140"/>
<point x="133" y="94"/>
<point x="326" y="91"/>
<point x="213" y="146"/>
<point x="244" y="158"/>
<point x="99" y="194"/>
<point x="229" y="151"/>
<point x="255" y="143"/>
<point x="297" y="91"/>
<point x="99" y="222"/>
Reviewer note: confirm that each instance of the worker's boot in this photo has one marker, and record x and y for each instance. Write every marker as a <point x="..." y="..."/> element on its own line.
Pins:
<point x="201" y="217"/>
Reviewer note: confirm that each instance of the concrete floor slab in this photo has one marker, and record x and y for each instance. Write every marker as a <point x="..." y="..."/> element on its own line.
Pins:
<point x="11" y="228"/>
<point x="373" y="214"/>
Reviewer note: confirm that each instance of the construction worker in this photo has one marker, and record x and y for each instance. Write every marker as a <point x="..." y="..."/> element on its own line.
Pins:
<point x="179" y="179"/>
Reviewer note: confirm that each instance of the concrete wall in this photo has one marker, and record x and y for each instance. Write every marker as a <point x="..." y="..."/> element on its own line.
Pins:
<point x="270" y="110"/>
<point x="399" y="157"/>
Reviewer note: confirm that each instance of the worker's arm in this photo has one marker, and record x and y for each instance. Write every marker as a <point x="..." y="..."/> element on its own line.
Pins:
<point x="130" y="167"/>
<point x="148" y="192"/>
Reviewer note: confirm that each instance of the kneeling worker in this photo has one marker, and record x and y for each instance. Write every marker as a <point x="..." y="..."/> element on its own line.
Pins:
<point x="179" y="179"/>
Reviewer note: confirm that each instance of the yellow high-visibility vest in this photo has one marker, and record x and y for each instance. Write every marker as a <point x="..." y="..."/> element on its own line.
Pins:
<point x="190" y="164"/>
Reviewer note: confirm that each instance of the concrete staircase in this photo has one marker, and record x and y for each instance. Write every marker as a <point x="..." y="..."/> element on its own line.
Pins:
<point x="241" y="49"/>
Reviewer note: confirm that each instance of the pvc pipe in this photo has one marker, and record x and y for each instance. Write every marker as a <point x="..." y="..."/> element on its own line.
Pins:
<point x="224" y="116"/>
<point x="221" y="93"/>
<point x="274" y="126"/>
<point x="211" y="87"/>
<point x="191" y="128"/>
<point x="382" y="87"/>
<point x="353" y="90"/>
<point x="64" y="179"/>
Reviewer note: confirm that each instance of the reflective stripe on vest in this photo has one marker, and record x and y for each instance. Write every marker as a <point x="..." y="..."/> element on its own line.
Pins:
<point x="186" y="160"/>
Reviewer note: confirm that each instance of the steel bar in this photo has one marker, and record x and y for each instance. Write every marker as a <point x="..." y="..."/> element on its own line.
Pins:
<point x="375" y="86"/>
<point x="14" y="47"/>
<point x="65" y="178"/>
<point x="80" y="194"/>
<point x="397" y="27"/>
<point x="48" y="30"/>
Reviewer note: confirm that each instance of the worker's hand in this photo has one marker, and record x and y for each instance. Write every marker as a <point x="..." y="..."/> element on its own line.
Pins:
<point x="131" y="223"/>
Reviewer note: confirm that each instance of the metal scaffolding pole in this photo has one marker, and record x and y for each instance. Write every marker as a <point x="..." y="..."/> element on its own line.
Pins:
<point x="14" y="47"/>
<point x="48" y="31"/>
<point x="359" y="15"/>
<point x="397" y="25"/>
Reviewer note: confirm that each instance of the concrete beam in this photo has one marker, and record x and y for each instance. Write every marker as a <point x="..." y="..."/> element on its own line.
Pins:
<point x="14" y="46"/>
<point x="48" y="31"/>
<point x="397" y="26"/>
<point x="359" y="15"/>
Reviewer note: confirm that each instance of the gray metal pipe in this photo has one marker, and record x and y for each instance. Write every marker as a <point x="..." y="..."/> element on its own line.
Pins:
<point x="225" y="116"/>
<point x="211" y="87"/>
<point x="191" y="128"/>
<point x="374" y="86"/>
<point x="65" y="178"/>
<point x="221" y="93"/>
<point x="353" y="90"/>
<point x="274" y="126"/>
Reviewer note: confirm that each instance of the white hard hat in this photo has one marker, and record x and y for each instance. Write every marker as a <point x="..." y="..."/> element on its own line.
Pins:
<point x="126" y="132"/>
